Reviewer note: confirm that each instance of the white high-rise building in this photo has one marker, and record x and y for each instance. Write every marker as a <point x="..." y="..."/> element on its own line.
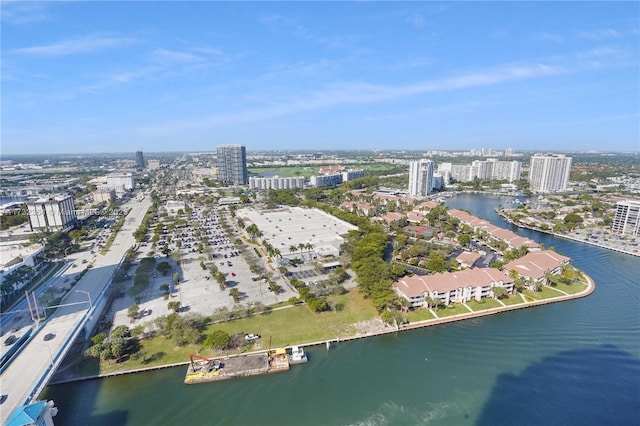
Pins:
<point x="276" y="182"/>
<point x="549" y="173"/>
<point x="462" y="172"/>
<point x="232" y="164"/>
<point x="627" y="218"/>
<point x="56" y="213"/>
<point x="505" y="170"/>
<point x="420" y="178"/>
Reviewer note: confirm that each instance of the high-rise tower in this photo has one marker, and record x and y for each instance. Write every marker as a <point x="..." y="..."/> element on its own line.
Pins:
<point x="420" y="178"/>
<point x="139" y="160"/>
<point x="232" y="164"/>
<point x="549" y="173"/>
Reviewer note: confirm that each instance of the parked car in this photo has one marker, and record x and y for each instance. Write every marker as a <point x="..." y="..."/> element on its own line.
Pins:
<point x="250" y="337"/>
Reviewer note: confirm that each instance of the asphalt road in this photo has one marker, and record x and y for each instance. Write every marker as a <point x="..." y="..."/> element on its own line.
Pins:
<point x="20" y="378"/>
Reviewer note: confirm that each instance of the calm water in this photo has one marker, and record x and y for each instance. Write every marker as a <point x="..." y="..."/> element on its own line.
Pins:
<point x="575" y="362"/>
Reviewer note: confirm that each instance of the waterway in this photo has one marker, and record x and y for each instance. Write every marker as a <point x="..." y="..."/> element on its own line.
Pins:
<point x="575" y="362"/>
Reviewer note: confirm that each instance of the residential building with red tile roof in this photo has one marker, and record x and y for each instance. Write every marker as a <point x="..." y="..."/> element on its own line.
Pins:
<point x="452" y="287"/>
<point x="427" y="205"/>
<point x="389" y="218"/>
<point x="468" y="258"/>
<point x="415" y="217"/>
<point x="536" y="264"/>
<point x="511" y="238"/>
<point x="359" y="207"/>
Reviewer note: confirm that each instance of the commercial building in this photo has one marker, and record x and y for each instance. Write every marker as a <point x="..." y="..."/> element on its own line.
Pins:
<point x="232" y="164"/>
<point x="120" y="181"/>
<point x="420" y="178"/>
<point x="276" y="182"/>
<point x="549" y="173"/>
<point x="139" y="160"/>
<point x="153" y="164"/>
<point x="627" y="217"/>
<point x="102" y="195"/>
<point x="56" y="213"/>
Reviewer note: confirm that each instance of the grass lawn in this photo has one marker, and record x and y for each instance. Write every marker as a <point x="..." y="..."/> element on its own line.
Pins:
<point x="288" y="171"/>
<point x="485" y="303"/>
<point x="572" y="288"/>
<point x="453" y="309"/>
<point x="419" y="314"/>
<point x="285" y="327"/>
<point x="513" y="299"/>
<point x="545" y="293"/>
<point x="299" y="325"/>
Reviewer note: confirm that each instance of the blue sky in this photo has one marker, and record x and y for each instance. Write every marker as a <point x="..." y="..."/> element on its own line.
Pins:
<point x="187" y="76"/>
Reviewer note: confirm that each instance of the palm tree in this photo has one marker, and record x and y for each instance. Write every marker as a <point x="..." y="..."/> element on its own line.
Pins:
<point x="309" y="247"/>
<point x="293" y="248"/>
<point x="235" y="294"/>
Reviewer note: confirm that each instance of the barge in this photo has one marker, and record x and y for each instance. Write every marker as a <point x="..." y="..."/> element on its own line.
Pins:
<point x="203" y="370"/>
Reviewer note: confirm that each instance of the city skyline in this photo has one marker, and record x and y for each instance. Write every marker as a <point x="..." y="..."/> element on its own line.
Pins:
<point x="319" y="76"/>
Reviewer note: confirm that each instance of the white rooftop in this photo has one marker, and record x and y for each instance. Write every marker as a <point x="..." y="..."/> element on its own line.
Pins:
<point x="288" y="226"/>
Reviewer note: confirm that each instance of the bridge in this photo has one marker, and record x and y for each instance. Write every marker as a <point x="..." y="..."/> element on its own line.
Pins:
<point x="25" y="375"/>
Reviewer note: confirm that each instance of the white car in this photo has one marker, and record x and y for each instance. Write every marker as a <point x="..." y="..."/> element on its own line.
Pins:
<point x="250" y="337"/>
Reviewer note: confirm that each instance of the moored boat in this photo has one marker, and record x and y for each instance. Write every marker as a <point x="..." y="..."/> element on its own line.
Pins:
<point x="297" y="356"/>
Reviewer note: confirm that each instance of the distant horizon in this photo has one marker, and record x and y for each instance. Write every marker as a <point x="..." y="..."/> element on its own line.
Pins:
<point x="4" y="156"/>
<point x="560" y="76"/>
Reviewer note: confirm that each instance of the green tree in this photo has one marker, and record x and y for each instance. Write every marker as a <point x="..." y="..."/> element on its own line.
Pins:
<point x="235" y="294"/>
<point x="464" y="240"/>
<point x="99" y="338"/>
<point x="120" y="331"/>
<point x="217" y="339"/>
<point x="499" y="292"/>
<point x="132" y="311"/>
<point x="173" y="306"/>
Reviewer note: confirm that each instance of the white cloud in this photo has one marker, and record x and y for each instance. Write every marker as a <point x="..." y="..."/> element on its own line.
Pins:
<point x="88" y="44"/>
<point x="417" y="20"/>
<point x="170" y="57"/>
<point x="362" y="93"/>
<point x="22" y="12"/>
<point x="598" y="35"/>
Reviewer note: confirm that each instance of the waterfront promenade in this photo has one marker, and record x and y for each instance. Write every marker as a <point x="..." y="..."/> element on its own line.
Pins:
<point x="590" y="288"/>
<point x="580" y="239"/>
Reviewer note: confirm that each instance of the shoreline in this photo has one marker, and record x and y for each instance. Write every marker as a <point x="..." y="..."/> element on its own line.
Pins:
<point x="566" y="237"/>
<point x="388" y="330"/>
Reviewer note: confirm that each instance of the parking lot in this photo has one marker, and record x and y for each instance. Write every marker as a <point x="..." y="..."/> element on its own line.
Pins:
<point x="197" y="291"/>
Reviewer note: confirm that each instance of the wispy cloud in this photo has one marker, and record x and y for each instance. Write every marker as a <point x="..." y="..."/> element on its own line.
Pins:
<point x="88" y="44"/>
<point x="23" y="12"/>
<point x="592" y="35"/>
<point x="599" y="35"/>
<point x="171" y="57"/>
<point x="545" y="36"/>
<point x="362" y="93"/>
<point x="417" y="20"/>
